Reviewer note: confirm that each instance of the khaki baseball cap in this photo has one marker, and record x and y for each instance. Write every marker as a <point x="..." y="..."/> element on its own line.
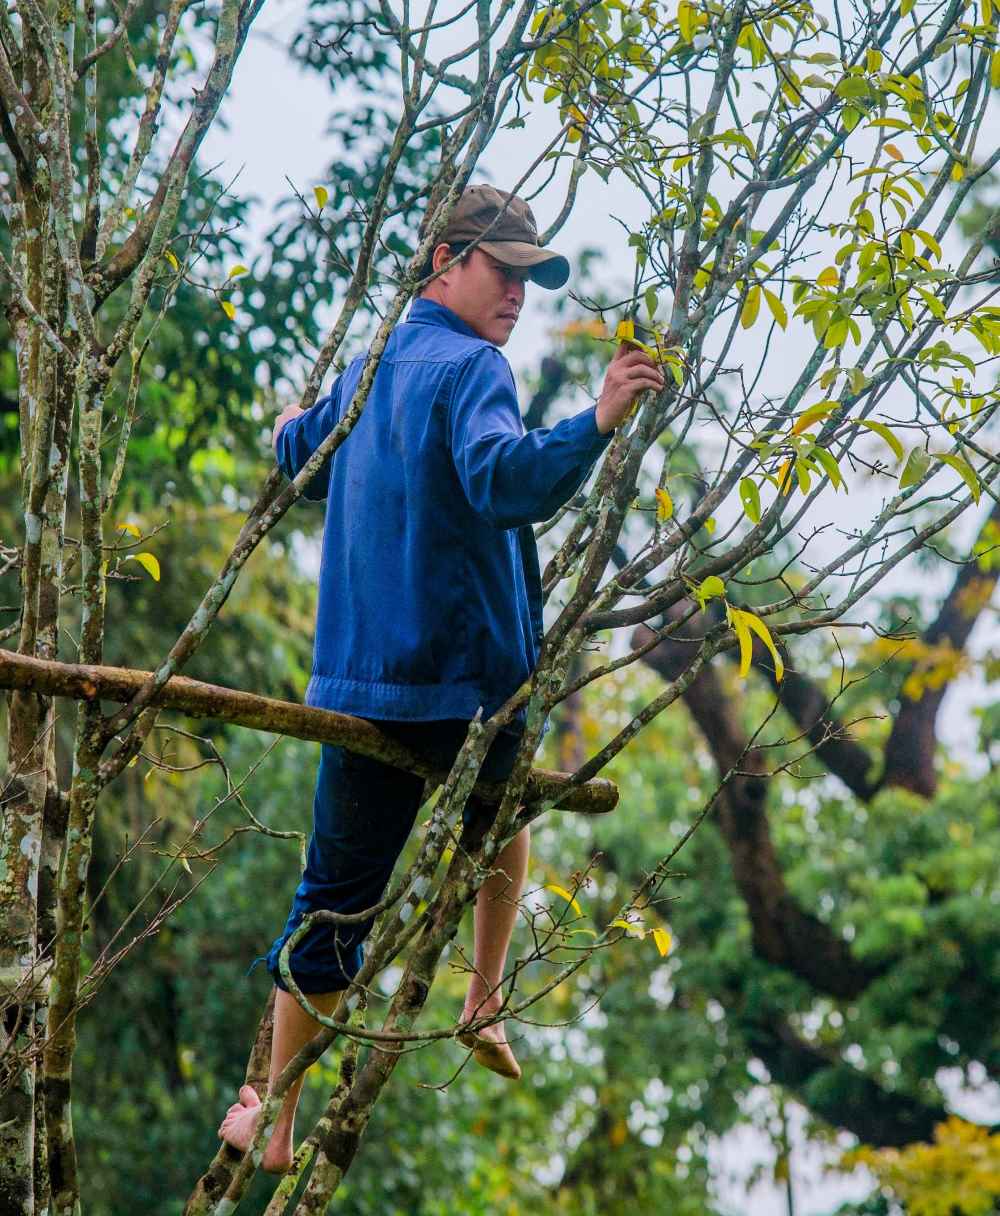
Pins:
<point x="513" y="239"/>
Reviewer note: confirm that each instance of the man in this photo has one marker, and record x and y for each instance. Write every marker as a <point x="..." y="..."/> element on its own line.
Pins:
<point x="430" y="602"/>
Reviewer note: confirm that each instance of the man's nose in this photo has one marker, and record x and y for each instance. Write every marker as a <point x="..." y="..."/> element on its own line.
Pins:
<point x="515" y="291"/>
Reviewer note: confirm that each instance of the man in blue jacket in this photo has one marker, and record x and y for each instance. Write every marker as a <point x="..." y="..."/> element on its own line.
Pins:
<point x="430" y="601"/>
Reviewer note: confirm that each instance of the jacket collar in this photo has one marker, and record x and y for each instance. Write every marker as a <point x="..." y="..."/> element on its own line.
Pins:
<point x="429" y="312"/>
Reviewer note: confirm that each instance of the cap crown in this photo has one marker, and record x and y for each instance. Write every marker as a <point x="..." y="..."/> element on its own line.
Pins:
<point x="479" y="206"/>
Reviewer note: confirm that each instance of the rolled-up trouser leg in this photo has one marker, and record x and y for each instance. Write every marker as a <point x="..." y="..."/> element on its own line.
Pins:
<point x="363" y="812"/>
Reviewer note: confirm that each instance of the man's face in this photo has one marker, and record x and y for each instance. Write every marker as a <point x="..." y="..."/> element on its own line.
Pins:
<point x="485" y="293"/>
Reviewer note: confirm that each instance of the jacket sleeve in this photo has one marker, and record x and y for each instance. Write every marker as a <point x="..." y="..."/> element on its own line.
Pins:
<point x="510" y="476"/>
<point x="302" y="435"/>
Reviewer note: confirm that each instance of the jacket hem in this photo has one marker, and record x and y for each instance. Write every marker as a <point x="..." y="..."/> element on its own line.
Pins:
<point x="401" y="702"/>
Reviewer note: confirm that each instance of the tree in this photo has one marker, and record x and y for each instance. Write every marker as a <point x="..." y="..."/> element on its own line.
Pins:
<point x="736" y="233"/>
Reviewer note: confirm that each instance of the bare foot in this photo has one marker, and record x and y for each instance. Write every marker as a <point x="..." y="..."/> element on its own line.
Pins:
<point x="237" y="1129"/>
<point x="489" y="1045"/>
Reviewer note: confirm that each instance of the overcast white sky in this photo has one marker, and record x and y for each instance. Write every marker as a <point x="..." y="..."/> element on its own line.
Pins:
<point x="277" y="116"/>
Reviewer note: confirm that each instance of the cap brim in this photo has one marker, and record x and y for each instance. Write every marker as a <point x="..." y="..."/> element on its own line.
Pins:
<point x="549" y="269"/>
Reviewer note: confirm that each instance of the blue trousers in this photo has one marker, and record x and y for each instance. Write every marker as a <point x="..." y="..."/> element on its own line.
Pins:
<point x="363" y="813"/>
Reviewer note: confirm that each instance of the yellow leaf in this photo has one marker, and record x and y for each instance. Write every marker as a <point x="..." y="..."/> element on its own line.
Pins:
<point x="663" y="940"/>
<point x="130" y="528"/>
<point x="762" y="631"/>
<point x="664" y="505"/>
<point x="564" y="894"/>
<point x="710" y="524"/>
<point x="778" y="310"/>
<point x="813" y="414"/>
<point x="742" y="632"/>
<point x="169" y="255"/>
<point x="147" y="561"/>
<point x="751" y="307"/>
<point x="685" y="20"/>
<point x="625" y="331"/>
<point x="828" y="277"/>
<point x="894" y="152"/>
<point x="228" y="309"/>
<point x="184" y="862"/>
<point x="957" y="171"/>
<point x="630" y="927"/>
<point x="238" y="269"/>
<point x="322" y="196"/>
<point x="784" y="476"/>
<point x="743" y="622"/>
<point x="995" y="70"/>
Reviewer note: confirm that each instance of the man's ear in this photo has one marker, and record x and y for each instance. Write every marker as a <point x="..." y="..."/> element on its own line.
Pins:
<point x="442" y="254"/>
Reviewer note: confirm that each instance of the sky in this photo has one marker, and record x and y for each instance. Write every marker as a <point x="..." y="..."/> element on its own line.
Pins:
<point x="277" y="116"/>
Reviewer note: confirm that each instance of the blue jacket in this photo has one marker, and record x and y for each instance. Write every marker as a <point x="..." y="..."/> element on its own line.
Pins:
<point x="430" y="599"/>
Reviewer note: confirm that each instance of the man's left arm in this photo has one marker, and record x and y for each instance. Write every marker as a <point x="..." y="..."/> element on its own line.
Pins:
<point x="301" y="436"/>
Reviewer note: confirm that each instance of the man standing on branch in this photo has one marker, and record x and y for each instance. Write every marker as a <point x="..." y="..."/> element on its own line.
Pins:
<point x="430" y="600"/>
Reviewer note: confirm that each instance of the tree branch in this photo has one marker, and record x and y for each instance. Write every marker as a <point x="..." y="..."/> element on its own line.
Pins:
<point x="201" y="700"/>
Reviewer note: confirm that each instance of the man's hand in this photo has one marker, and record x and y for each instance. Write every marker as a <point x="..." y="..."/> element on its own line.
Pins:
<point x="289" y="412"/>
<point x="629" y="373"/>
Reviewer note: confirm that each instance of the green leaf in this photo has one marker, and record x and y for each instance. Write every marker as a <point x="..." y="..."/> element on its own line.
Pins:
<point x="914" y="469"/>
<point x="836" y="335"/>
<point x="750" y="497"/>
<point x="883" y="431"/>
<point x="651" y="302"/>
<point x="829" y="463"/>
<point x="709" y="588"/>
<point x="964" y="470"/>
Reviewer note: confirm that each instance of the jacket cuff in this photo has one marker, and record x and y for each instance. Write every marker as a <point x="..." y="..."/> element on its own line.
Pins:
<point x="589" y="433"/>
